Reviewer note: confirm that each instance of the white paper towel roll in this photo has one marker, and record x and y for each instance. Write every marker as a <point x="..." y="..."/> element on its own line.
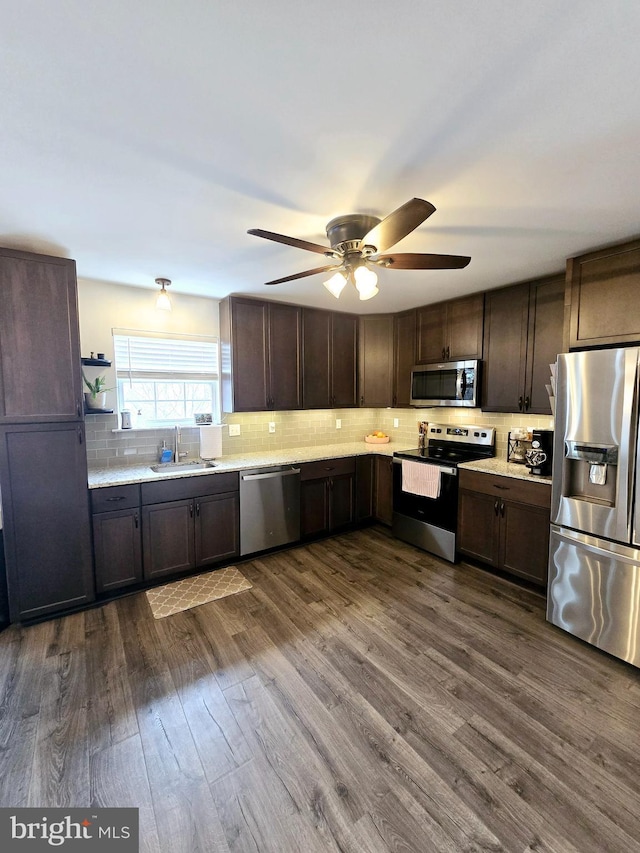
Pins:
<point x="211" y="441"/>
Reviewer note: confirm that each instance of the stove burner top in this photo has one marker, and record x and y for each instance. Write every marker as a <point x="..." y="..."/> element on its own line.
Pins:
<point x="453" y="445"/>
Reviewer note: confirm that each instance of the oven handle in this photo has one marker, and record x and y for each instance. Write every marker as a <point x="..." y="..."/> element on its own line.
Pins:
<point x="451" y="471"/>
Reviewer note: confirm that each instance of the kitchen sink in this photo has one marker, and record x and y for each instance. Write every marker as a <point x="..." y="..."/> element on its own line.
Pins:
<point x="170" y="467"/>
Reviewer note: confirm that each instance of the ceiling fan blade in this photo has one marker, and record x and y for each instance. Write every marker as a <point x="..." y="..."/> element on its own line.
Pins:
<point x="397" y="225"/>
<point x="303" y="274"/>
<point x="412" y="261"/>
<point x="292" y="241"/>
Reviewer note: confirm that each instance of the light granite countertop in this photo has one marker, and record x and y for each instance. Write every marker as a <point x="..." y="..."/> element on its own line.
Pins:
<point x="504" y="469"/>
<point x="117" y="476"/>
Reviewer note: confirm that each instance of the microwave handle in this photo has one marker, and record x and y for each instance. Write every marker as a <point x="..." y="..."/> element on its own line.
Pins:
<point x="461" y="385"/>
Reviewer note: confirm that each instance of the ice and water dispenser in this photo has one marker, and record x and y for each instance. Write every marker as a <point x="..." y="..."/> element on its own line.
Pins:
<point x="591" y="472"/>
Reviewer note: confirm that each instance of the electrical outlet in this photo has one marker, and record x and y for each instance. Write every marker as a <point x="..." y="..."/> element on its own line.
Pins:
<point x="272" y="426"/>
<point x="234" y="429"/>
<point x="396" y="423"/>
<point x="338" y="423"/>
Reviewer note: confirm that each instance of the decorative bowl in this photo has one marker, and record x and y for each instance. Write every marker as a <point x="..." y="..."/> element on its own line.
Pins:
<point x="373" y="439"/>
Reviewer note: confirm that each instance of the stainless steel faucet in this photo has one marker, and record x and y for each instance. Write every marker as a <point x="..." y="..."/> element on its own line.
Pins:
<point x="177" y="454"/>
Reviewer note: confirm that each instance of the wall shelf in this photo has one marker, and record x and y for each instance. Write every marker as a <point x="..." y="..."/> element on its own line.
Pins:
<point x="95" y="362"/>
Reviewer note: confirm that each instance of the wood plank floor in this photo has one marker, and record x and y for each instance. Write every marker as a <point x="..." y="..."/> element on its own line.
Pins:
<point x="363" y="696"/>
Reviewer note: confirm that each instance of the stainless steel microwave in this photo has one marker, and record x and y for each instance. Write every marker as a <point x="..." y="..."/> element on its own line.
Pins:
<point x="449" y="383"/>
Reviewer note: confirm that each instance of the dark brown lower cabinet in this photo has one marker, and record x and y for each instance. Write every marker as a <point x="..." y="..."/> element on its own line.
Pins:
<point x="168" y="532"/>
<point x="47" y="530"/>
<point x="216" y="528"/>
<point x="188" y="523"/>
<point x="327" y="496"/>
<point x="504" y="521"/>
<point x="383" y="494"/>
<point x="117" y="549"/>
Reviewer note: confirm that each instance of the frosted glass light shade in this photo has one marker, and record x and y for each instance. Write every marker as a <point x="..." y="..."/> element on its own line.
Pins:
<point x="366" y="282"/>
<point x="335" y="284"/>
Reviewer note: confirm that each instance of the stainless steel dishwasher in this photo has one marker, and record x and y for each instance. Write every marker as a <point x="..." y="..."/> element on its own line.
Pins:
<point x="269" y="508"/>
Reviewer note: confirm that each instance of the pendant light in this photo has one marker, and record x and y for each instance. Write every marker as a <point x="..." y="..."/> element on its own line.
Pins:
<point x="163" y="302"/>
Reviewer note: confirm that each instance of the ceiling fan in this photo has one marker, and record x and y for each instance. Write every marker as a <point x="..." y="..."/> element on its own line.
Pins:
<point x="359" y="243"/>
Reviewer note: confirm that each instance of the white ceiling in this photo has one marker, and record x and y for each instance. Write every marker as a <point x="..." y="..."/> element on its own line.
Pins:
<point x="144" y="138"/>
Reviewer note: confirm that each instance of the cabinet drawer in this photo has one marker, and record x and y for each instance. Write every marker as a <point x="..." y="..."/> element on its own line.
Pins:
<point x="161" y="491"/>
<point x="115" y="497"/>
<point x="327" y="468"/>
<point x="509" y="488"/>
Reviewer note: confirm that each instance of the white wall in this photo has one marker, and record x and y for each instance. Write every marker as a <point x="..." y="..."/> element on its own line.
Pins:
<point x="103" y="306"/>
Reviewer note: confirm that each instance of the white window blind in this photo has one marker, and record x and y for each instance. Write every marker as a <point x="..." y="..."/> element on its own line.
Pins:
<point x="142" y="357"/>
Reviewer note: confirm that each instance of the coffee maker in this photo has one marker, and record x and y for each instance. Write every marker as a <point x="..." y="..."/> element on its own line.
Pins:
<point x="539" y="458"/>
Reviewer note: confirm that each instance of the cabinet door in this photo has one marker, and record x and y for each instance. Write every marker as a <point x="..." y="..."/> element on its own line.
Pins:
<point x="524" y="541"/>
<point x="43" y="479"/>
<point x="344" y="343"/>
<point x="464" y="330"/>
<point x="478" y="525"/>
<point x="285" y="368"/>
<point x="375" y="360"/>
<point x="383" y="504"/>
<point x="316" y="358"/>
<point x="604" y="296"/>
<point x="365" y="477"/>
<point x="249" y="332"/>
<point x="430" y="342"/>
<point x="167" y="538"/>
<point x="544" y="341"/>
<point x="217" y="528"/>
<point x="117" y="548"/>
<point x="506" y="318"/>
<point x="342" y="501"/>
<point x="404" y="356"/>
<point x="40" y="378"/>
<point x="314" y="507"/>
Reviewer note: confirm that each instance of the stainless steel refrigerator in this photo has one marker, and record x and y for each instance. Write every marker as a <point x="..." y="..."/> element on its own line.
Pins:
<point x="594" y="554"/>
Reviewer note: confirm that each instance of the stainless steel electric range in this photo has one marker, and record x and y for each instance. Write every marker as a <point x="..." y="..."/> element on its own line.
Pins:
<point x="425" y="503"/>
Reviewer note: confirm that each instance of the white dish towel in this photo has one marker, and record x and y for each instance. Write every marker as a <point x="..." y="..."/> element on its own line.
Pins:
<point x="420" y="478"/>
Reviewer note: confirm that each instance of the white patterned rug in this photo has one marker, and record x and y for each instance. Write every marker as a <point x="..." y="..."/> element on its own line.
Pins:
<point x="190" y="592"/>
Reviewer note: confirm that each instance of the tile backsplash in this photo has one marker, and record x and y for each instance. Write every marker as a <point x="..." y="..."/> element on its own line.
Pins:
<point x="107" y="446"/>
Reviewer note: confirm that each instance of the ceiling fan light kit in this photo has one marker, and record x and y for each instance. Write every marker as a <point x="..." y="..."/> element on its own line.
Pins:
<point x="357" y="243"/>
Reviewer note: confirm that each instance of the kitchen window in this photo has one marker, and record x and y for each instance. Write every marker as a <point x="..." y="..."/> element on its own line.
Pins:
<point x="166" y="379"/>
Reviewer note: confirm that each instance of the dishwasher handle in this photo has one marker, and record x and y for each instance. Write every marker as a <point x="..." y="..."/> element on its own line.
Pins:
<point x="270" y="475"/>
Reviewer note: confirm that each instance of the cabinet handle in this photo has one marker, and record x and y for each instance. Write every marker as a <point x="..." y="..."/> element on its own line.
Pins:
<point x="443" y="353"/>
<point x="394" y="400"/>
<point x="79" y="409"/>
<point x="362" y="401"/>
<point x="191" y="510"/>
<point x="80" y="436"/>
<point x="496" y="506"/>
<point x="520" y="402"/>
<point x="119" y="498"/>
<point x="502" y="508"/>
<point x="198" y="509"/>
<point x="136" y="520"/>
<point x="526" y="403"/>
<point x="447" y="352"/>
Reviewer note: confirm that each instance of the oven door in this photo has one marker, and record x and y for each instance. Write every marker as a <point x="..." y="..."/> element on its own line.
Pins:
<point x="441" y="511"/>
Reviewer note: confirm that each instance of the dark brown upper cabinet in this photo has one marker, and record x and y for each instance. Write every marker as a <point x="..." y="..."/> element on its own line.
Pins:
<point x="404" y="355"/>
<point x="375" y="360"/>
<point x="330" y="341"/>
<point x="261" y="355"/>
<point x="450" y="331"/>
<point x="603" y="289"/>
<point x="40" y="377"/>
<point x="523" y="336"/>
